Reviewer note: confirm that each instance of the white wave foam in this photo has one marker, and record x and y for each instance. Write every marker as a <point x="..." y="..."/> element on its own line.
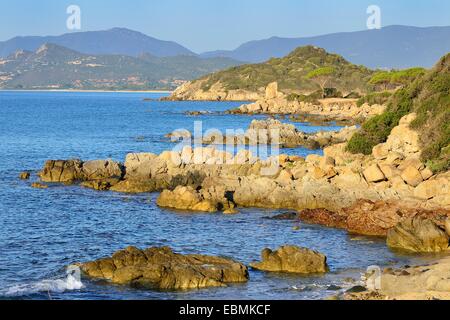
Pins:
<point x="72" y="282"/>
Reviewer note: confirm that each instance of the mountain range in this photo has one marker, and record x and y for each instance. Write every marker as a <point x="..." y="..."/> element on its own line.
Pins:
<point x="120" y="58"/>
<point x="390" y="47"/>
<point x="118" y="41"/>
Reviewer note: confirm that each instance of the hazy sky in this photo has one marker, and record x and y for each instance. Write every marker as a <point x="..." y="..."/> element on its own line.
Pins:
<point x="203" y="25"/>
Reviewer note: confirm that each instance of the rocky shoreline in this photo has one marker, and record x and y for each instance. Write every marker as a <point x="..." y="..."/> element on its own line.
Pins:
<point x="390" y="193"/>
<point x="363" y="194"/>
<point x="270" y="101"/>
<point x="192" y="91"/>
<point x="393" y="175"/>
<point x="331" y="109"/>
<point x="393" y="172"/>
<point x="423" y="282"/>
<point x="270" y="132"/>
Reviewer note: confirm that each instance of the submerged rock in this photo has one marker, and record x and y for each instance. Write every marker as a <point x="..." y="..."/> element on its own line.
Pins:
<point x="161" y="268"/>
<point x="357" y="289"/>
<point x="24" y="175"/>
<point x="100" y="185"/>
<point x="291" y="259"/>
<point x="324" y="217"/>
<point x="37" y="185"/>
<point x="418" y="235"/>
<point x="136" y="186"/>
<point x="284" y="216"/>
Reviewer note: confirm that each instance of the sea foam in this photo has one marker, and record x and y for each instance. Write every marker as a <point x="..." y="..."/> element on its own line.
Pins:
<point x="70" y="283"/>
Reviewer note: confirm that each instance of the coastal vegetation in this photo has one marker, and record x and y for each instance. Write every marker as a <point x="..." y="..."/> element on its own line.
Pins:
<point x="322" y="76"/>
<point x="395" y="78"/>
<point x="429" y="97"/>
<point x="375" y="98"/>
<point x="298" y="72"/>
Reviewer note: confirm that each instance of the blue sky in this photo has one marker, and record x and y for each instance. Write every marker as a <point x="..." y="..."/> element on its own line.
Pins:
<point x="203" y="25"/>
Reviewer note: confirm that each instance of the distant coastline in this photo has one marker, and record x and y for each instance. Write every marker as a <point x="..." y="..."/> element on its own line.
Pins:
<point x="98" y="91"/>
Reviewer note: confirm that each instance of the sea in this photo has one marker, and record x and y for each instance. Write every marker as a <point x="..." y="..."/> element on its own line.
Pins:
<point x="43" y="232"/>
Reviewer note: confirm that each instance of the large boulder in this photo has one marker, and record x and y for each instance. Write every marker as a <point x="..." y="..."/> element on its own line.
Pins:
<point x="418" y="235"/>
<point x="138" y="165"/>
<point x="402" y="140"/>
<point x="186" y="198"/>
<point x="412" y="176"/>
<point x="374" y="174"/>
<point x="69" y="171"/>
<point x="63" y="171"/>
<point x="291" y="259"/>
<point x="146" y="170"/>
<point x="272" y="91"/>
<point x="439" y="186"/>
<point x="161" y="268"/>
<point x="102" y="169"/>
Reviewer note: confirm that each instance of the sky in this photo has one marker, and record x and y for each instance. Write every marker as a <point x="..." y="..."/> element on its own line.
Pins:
<point x="204" y="25"/>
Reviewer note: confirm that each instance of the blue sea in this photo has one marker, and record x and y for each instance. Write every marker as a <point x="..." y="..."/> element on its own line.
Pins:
<point x="44" y="231"/>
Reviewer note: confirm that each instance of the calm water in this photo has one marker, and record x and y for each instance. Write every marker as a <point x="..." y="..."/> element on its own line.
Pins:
<point x="43" y="231"/>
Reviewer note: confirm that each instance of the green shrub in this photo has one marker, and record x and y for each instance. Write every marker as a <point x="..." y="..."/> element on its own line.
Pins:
<point x="374" y="131"/>
<point x="332" y="93"/>
<point x="360" y="143"/>
<point x="311" y="98"/>
<point x="375" y="98"/>
<point x="395" y="78"/>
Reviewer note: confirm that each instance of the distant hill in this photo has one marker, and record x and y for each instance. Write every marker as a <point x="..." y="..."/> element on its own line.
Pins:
<point x="119" y="41"/>
<point x="391" y="47"/>
<point x="291" y="73"/>
<point x="55" y="67"/>
<point x="190" y="67"/>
